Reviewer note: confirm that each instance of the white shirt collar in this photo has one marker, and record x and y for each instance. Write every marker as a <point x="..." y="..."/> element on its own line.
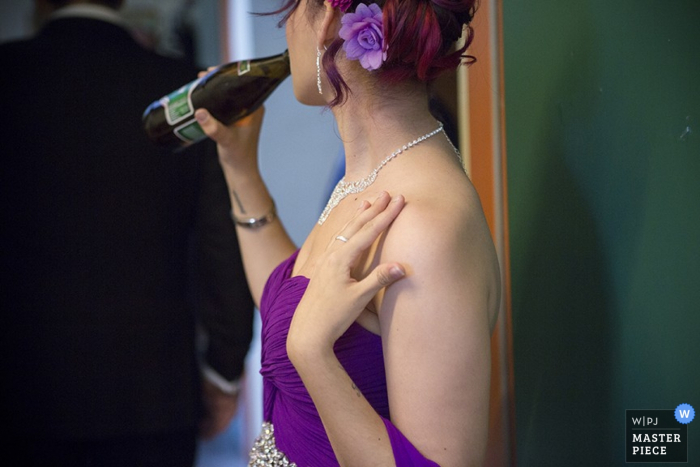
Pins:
<point x="85" y="10"/>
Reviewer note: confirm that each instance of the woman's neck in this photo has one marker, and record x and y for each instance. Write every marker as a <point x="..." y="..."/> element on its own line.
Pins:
<point x="372" y="127"/>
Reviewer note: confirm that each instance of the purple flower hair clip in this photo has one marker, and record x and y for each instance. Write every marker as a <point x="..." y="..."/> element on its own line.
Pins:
<point x="363" y="33"/>
<point x="342" y="5"/>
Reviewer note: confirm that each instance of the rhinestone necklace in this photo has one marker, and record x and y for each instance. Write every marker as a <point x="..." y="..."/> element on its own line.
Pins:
<point x="343" y="189"/>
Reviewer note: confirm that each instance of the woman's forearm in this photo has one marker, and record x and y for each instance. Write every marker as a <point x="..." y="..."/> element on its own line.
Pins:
<point x="356" y="432"/>
<point x="262" y="247"/>
<point x="263" y="243"/>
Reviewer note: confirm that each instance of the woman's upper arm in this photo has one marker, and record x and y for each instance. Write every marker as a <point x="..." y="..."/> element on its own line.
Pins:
<point x="436" y="337"/>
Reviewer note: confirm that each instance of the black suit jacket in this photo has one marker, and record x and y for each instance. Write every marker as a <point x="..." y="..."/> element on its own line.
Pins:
<point x="111" y="247"/>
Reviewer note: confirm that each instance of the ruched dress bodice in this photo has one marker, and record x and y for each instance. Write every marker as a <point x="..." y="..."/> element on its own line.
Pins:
<point x="287" y="404"/>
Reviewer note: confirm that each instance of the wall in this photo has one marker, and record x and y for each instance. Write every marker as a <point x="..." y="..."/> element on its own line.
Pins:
<point x="602" y="119"/>
<point x="15" y="19"/>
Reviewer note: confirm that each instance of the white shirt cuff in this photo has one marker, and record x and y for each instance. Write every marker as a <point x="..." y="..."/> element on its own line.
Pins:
<point x="229" y="387"/>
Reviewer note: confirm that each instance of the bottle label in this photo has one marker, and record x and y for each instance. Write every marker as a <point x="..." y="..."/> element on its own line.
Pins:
<point x="190" y="132"/>
<point x="178" y="104"/>
<point x="243" y="67"/>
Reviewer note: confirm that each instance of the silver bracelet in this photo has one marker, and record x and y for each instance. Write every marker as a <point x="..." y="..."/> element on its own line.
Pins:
<point x="256" y="222"/>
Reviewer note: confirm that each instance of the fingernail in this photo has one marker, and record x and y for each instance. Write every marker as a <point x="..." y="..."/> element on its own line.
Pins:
<point x="397" y="272"/>
<point x="201" y="115"/>
<point x="396" y="199"/>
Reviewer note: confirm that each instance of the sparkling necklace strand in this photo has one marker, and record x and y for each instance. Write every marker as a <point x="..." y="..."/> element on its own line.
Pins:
<point x="343" y="189"/>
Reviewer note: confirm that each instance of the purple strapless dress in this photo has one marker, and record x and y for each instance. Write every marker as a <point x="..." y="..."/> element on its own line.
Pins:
<point x="298" y="430"/>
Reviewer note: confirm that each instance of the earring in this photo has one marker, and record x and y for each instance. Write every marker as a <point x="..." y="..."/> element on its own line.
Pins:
<point x="318" y="70"/>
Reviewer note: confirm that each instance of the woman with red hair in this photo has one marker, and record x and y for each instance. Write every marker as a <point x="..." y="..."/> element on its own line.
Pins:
<point x="376" y="332"/>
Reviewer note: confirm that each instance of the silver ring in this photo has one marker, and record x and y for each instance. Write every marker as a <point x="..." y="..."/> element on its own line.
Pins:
<point x="341" y="238"/>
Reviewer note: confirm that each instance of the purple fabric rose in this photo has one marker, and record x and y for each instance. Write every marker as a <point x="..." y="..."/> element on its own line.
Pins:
<point x="363" y="32"/>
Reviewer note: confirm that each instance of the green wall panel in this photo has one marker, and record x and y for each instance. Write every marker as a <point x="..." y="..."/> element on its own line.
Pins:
<point x="603" y="140"/>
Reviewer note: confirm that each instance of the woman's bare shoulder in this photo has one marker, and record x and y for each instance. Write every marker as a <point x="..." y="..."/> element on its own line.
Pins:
<point x="441" y="236"/>
<point x="445" y="208"/>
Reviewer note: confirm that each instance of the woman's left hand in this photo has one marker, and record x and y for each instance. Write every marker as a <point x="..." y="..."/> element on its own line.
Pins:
<point x="334" y="299"/>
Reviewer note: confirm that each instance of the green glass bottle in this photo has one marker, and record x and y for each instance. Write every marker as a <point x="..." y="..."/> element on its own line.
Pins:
<point x="229" y="92"/>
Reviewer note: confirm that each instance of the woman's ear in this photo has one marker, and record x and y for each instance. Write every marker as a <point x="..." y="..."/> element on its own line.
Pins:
<point x="330" y="25"/>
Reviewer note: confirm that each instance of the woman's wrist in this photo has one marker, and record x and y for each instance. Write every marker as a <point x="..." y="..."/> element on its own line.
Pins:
<point x="238" y="160"/>
<point x="250" y="199"/>
<point x="305" y="352"/>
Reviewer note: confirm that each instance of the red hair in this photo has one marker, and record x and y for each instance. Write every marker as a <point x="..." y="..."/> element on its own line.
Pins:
<point x="420" y="37"/>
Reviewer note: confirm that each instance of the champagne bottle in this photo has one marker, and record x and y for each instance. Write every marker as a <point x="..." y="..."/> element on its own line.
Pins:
<point x="229" y="92"/>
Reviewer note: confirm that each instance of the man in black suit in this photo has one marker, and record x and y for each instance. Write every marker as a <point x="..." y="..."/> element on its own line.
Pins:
<point x="113" y="252"/>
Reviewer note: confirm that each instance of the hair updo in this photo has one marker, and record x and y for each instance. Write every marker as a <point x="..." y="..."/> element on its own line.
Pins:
<point x="420" y="37"/>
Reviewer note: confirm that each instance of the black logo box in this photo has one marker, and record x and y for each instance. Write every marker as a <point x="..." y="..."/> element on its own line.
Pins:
<point x="644" y="430"/>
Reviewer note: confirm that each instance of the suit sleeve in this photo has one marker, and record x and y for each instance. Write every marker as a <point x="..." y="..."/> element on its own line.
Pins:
<point x="221" y="295"/>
